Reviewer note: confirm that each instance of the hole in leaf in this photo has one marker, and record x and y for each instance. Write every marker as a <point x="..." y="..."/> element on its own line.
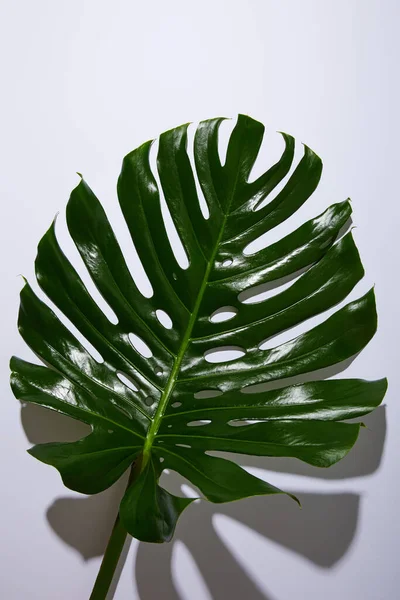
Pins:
<point x="140" y="346"/>
<point x="183" y="445"/>
<point x="342" y="231"/>
<point x="175" y="276"/>
<point x="223" y="314"/>
<point x="207" y="394"/>
<point x="149" y="401"/>
<point x="298" y="155"/>
<point x="241" y="422"/>
<point x="72" y="253"/>
<point x="162" y="459"/>
<point x="158" y="371"/>
<point x="132" y="258"/>
<point x="174" y="239"/>
<point x="110" y="431"/>
<point x="127" y="381"/>
<point x="190" y="151"/>
<point x="269" y="154"/>
<point x="164" y="318"/>
<point x="169" y="426"/>
<point x="224" y="134"/>
<point x="224" y="354"/>
<point x="198" y="423"/>
<point x="287" y="339"/>
<point x="88" y="347"/>
<point x="92" y="351"/>
<point x="189" y="492"/>
<point x="176" y="404"/>
<point x="259" y="293"/>
<point x="227" y="262"/>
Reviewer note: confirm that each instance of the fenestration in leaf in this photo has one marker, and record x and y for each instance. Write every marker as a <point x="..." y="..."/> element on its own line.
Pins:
<point x="159" y="421"/>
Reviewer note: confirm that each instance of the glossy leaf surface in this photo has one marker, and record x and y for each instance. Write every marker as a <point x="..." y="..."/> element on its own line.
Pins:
<point x="158" y="400"/>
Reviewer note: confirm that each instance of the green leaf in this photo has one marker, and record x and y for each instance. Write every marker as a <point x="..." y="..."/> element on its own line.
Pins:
<point x="164" y="404"/>
<point x="151" y="511"/>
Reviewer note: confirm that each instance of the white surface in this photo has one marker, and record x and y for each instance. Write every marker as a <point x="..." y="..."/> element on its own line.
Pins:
<point x="83" y="83"/>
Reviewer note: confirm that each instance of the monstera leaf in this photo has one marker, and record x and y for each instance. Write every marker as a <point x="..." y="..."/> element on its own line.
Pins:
<point x="156" y="401"/>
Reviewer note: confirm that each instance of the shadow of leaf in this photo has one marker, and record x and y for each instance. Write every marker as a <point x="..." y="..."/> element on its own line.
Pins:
<point x="321" y="532"/>
<point x="85" y="523"/>
<point x="42" y="425"/>
<point x="364" y="458"/>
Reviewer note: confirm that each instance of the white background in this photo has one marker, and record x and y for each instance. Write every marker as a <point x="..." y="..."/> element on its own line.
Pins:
<point x="83" y="83"/>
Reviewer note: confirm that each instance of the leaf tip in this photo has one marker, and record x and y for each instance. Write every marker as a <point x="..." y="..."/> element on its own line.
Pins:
<point x="295" y="498"/>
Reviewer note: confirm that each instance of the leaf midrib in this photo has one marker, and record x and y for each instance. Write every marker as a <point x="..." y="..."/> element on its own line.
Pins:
<point x="155" y="425"/>
<point x="177" y="364"/>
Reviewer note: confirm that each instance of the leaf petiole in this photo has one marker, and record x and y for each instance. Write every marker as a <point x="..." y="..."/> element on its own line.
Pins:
<point x="114" y="548"/>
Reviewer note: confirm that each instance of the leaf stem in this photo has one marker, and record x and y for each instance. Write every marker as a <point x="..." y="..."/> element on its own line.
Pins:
<point x="109" y="562"/>
<point x="114" y="548"/>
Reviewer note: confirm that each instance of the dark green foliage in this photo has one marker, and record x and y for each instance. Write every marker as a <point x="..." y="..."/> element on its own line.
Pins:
<point x="160" y="421"/>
